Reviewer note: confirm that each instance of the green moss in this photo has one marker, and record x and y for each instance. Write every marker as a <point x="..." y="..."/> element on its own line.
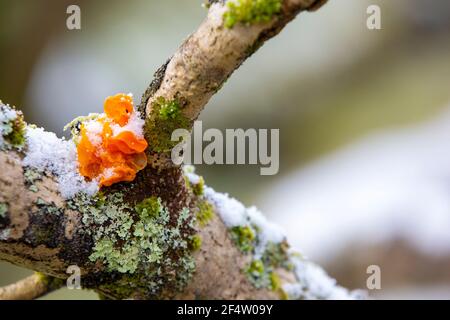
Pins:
<point x="250" y="11"/>
<point x="195" y="243"/>
<point x="169" y="110"/>
<point x="205" y="212"/>
<point x="261" y="272"/>
<point x="3" y="209"/>
<point x="244" y="237"/>
<point x="166" y="116"/>
<point x="256" y="267"/>
<point x="257" y="274"/>
<point x="276" y="255"/>
<point x="276" y="285"/>
<point x="32" y="175"/>
<point x="12" y="128"/>
<point x="283" y="294"/>
<point x="199" y="188"/>
<point x="275" y="282"/>
<point x="143" y="244"/>
<point x="149" y="207"/>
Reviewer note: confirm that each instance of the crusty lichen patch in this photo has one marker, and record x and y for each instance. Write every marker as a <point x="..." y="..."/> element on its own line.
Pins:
<point x="195" y="242"/>
<point x="142" y="243"/>
<point x="244" y="237"/>
<point x="250" y="11"/>
<point x="12" y="128"/>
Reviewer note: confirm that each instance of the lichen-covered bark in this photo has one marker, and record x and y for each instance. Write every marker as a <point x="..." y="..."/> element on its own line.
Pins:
<point x="116" y="237"/>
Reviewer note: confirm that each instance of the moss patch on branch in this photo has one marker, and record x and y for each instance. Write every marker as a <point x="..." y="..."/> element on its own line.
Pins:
<point x="143" y="248"/>
<point x="261" y="272"/>
<point x="205" y="213"/>
<point x="12" y="128"/>
<point x="250" y="11"/>
<point x="166" y="116"/>
<point x="244" y="237"/>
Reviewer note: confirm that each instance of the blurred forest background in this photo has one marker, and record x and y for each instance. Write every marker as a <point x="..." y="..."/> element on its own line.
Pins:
<point x="363" y="117"/>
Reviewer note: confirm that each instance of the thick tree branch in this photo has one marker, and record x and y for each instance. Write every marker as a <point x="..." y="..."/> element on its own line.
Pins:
<point x="207" y="58"/>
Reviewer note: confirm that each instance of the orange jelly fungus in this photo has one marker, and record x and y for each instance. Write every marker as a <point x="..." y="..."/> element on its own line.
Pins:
<point x="110" y="157"/>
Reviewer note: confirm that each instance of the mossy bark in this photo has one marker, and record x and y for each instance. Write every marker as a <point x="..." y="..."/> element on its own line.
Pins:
<point x="42" y="231"/>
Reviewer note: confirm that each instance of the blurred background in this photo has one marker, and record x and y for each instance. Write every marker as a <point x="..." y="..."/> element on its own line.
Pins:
<point x="364" y="119"/>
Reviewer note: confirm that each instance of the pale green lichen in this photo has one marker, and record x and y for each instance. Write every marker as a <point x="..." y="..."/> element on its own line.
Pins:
<point x="276" y="255"/>
<point x="244" y="237"/>
<point x="12" y="128"/>
<point x="143" y="239"/>
<point x="45" y="207"/>
<point x="262" y="276"/>
<point x="142" y="242"/>
<point x="166" y="116"/>
<point x="31" y="176"/>
<point x="3" y="209"/>
<point x="197" y="187"/>
<point x="250" y="11"/>
<point x="275" y="281"/>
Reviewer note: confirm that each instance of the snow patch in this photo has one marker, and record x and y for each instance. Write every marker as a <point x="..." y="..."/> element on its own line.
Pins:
<point x="268" y="232"/>
<point x="314" y="283"/>
<point x="234" y="214"/>
<point x="46" y="152"/>
<point x="135" y="124"/>
<point x="94" y="130"/>
<point x="193" y="178"/>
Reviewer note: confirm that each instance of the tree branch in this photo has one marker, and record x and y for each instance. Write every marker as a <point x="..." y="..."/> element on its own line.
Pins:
<point x="164" y="235"/>
<point x="32" y="287"/>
